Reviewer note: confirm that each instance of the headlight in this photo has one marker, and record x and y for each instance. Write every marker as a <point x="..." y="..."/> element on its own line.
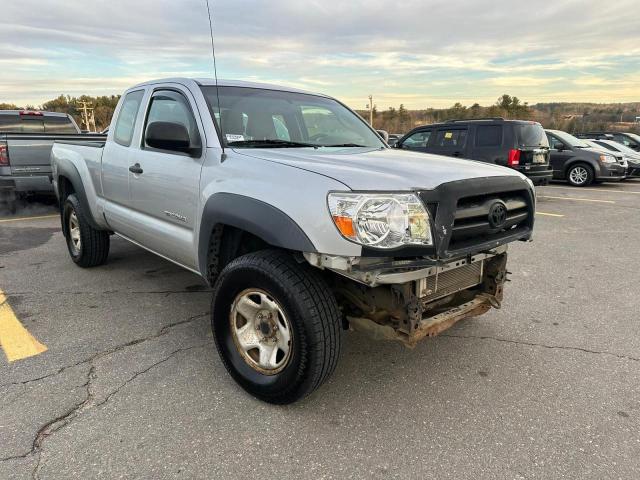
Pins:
<point x="381" y="220"/>
<point x="607" y="159"/>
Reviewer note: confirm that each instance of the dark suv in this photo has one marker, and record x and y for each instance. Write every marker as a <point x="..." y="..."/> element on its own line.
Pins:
<point x="631" y="140"/>
<point x="518" y="144"/>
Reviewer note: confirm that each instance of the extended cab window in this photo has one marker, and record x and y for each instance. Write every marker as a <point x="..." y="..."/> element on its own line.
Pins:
<point x="451" y="138"/>
<point x="417" y="140"/>
<point x="172" y="107"/>
<point x="489" y="135"/>
<point x="127" y="118"/>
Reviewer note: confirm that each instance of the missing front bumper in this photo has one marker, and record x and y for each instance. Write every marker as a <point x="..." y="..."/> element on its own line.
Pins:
<point x="428" y="327"/>
<point x="426" y="307"/>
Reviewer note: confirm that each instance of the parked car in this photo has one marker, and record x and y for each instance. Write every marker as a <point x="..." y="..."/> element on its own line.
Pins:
<point x="631" y="156"/>
<point x="579" y="163"/>
<point x="393" y="138"/>
<point x="299" y="237"/>
<point x="521" y="145"/>
<point x="26" y="138"/>
<point x="620" y="158"/>
<point x="631" y="140"/>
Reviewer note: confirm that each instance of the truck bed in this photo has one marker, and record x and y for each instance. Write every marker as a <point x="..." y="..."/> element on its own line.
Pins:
<point x="29" y="168"/>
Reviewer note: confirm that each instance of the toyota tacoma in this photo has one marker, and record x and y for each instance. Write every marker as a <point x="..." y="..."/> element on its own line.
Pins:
<point x="300" y="217"/>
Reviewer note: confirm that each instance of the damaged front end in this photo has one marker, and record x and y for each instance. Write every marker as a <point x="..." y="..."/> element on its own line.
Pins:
<point x="410" y="300"/>
<point x="412" y="292"/>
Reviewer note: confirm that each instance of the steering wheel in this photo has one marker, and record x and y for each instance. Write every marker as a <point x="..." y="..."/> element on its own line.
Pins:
<point x="318" y="137"/>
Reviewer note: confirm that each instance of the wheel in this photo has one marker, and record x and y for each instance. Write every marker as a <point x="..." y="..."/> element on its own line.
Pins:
<point x="87" y="246"/>
<point x="580" y="175"/>
<point x="276" y="325"/>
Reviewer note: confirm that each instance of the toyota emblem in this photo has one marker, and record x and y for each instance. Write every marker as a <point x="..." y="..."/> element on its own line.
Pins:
<point x="497" y="214"/>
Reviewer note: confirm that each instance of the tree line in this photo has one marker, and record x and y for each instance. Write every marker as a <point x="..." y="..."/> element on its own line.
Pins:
<point x="103" y="107"/>
<point x="571" y="117"/>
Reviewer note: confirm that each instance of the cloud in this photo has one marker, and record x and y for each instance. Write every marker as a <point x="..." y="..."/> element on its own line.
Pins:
<point x="422" y="52"/>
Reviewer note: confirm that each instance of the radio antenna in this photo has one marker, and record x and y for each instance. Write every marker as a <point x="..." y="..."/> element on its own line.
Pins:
<point x="215" y="75"/>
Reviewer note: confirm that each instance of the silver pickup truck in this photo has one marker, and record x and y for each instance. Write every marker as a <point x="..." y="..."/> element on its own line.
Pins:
<point x="300" y="217"/>
<point x="26" y="138"/>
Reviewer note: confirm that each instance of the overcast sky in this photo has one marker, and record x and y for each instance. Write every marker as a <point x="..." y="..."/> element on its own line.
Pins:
<point x="418" y="52"/>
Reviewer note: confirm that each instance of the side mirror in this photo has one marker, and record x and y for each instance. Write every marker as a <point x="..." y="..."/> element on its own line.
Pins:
<point x="384" y="134"/>
<point x="559" y="146"/>
<point x="168" y="136"/>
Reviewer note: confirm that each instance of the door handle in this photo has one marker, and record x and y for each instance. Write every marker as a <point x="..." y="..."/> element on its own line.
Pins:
<point x="136" y="169"/>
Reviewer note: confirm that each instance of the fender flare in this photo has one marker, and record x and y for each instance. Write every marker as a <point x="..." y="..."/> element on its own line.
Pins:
<point x="64" y="168"/>
<point x="251" y="215"/>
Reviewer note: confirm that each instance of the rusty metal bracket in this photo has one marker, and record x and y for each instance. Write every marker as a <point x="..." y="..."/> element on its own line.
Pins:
<point x="428" y="327"/>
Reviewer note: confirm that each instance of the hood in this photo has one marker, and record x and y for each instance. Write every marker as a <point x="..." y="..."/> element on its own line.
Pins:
<point x="635" y="160"/>
<point x="600" y="151"/>
<point x="386" y="169"/>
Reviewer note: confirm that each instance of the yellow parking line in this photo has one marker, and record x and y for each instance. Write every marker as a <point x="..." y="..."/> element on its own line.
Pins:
<point x="15" y="340"/>
<point x="601" y="190"/>
<point x="549" y="214"/>
<point x="20" y="219"/>
<point x="577" y="199"/>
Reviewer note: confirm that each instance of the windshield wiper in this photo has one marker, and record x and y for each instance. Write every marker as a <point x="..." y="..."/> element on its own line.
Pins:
<point x="345" y="145"/>
<point x="269" y="143"/>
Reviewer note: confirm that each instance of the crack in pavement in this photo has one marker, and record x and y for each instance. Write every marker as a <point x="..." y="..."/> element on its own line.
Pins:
<point x="59" y="418"/>
<point x="542" y="345"/>
<point x="74" y="412"/>
<point x="163" y="331"/>
<point x="142" y="372"/>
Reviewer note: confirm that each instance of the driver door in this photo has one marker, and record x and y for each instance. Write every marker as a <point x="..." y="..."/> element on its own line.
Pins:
<point x="165" y="184"/>
<point x="558" y="156"/>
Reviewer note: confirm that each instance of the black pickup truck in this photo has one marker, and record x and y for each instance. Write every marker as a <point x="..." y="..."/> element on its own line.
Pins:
<point x="26" y="138"/>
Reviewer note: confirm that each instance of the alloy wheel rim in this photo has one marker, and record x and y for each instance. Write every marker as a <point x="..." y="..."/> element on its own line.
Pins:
<point x="74" y="231"/>
<point x="261" y="331"/>
<point x="579" y="175"/>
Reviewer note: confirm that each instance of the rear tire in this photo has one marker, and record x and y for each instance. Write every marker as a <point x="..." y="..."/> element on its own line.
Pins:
<point x="87" y="246"/>
<point x="295" y="300"/>
<point x="580" y="175"/>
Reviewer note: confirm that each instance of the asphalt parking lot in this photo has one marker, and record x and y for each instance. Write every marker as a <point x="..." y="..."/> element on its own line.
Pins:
<point x="130" y="385"/>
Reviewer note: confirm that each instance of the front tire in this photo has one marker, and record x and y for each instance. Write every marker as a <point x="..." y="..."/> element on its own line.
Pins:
<point x="276" y="325"/>
<point x="87" y="246"/>
<point x="580" y="175"/>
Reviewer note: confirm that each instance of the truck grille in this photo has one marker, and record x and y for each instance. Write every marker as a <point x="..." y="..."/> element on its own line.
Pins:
<point x="487" y="217"/>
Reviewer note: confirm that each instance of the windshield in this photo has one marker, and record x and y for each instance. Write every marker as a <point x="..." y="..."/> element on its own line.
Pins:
<point x="259" y="118"/>
<point x="635" y="137"/>
<point x="570" y="140"/>
<point x="600" y="146"/>
<point x="531" y="135"/>
<point x="618" y="147"/>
